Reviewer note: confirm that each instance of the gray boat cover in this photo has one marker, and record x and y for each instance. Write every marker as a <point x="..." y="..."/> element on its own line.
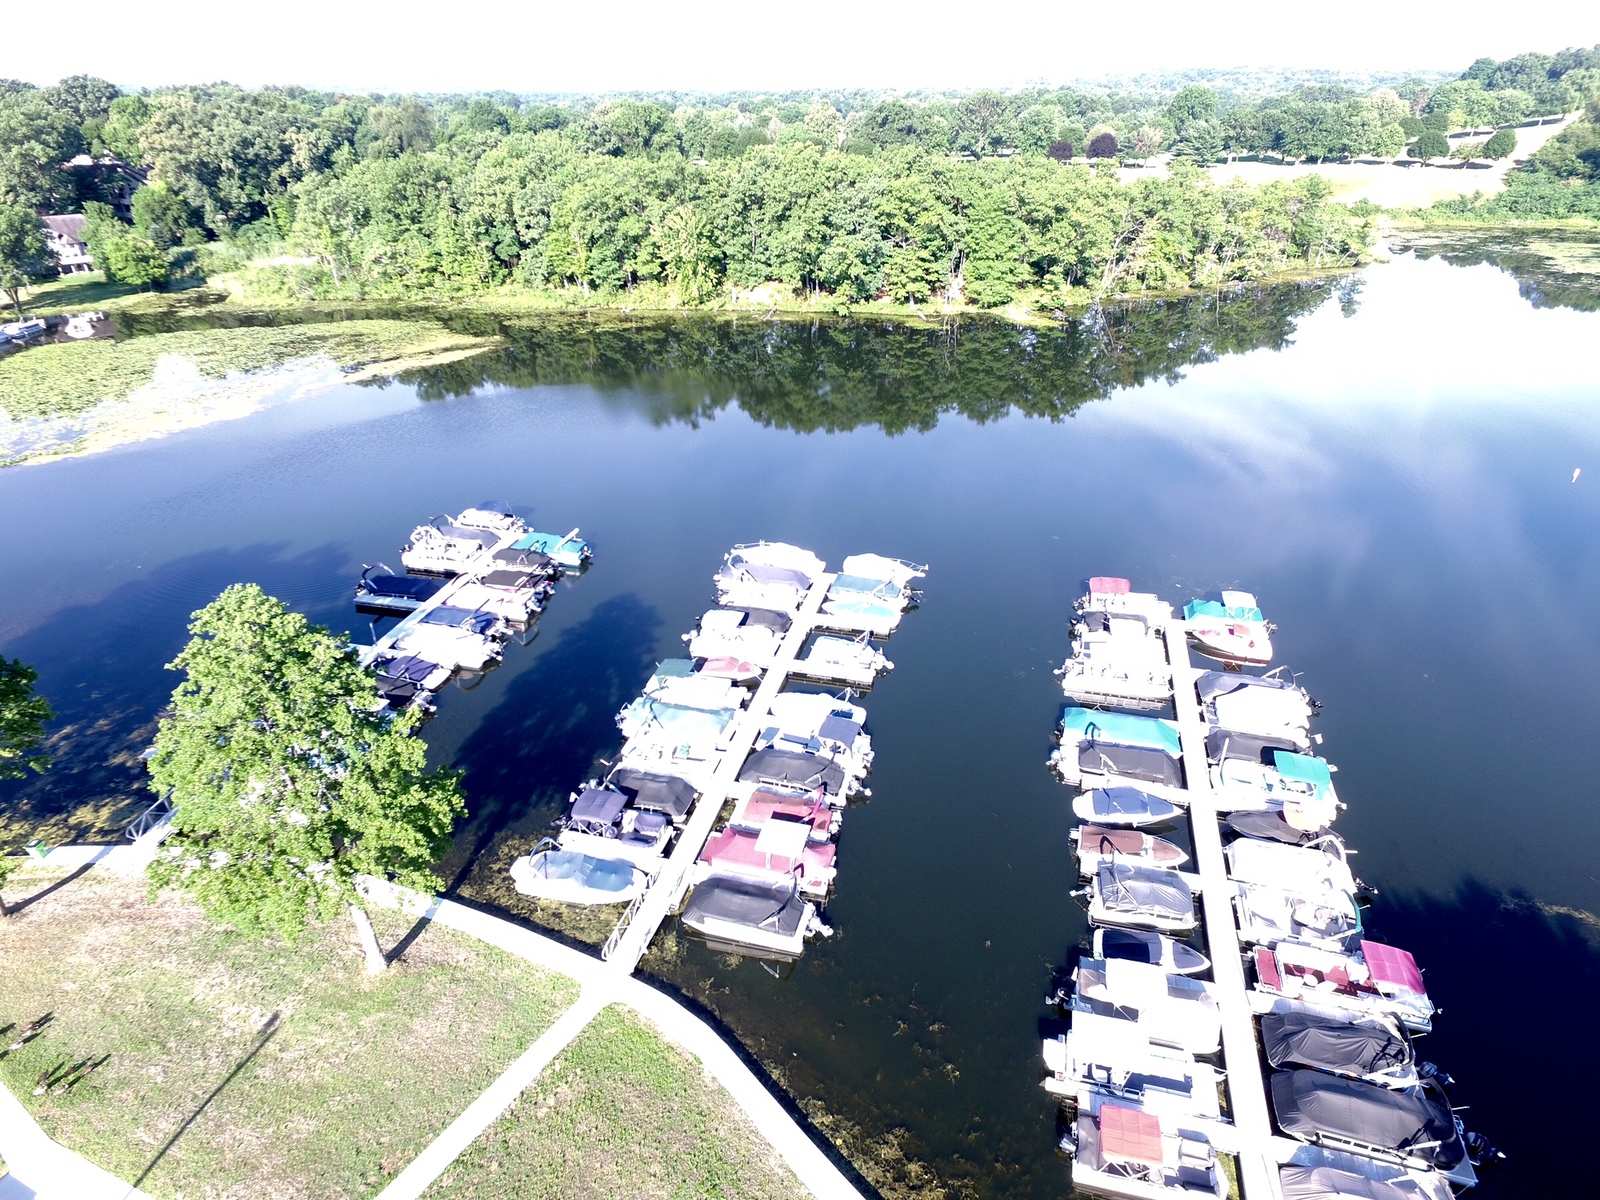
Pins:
<point x="1211" y="684"/>
<point x="472" y="619"/>
<point x="1131" y="762"/>
<point x="765" y="618"/>
<point x="793" y="768"/>
<point x="1130" y="889"/>
<point x="1309" y="1103"/>
<point x="1129" y="802"/>
<point x="658" y="793"/>
<point x="462" y="533"/>
<point x="598" y="806"/>
<point x="510" y="577"/>
<point x="527" y="560"/>
<point x="1251" y="747"/>
<point x="1268" y="825"/>
<point x="1330" y="1183"/>
<point x="772" y="908"/>
<point x="1300" y="1039"/>
<point x="839" y="729"/>
<point x="762" y="573"/>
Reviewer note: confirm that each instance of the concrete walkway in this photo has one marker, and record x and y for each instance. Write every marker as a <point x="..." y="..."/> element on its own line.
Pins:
<point x="603" y="984"/>
<point x="43" y="1169"/>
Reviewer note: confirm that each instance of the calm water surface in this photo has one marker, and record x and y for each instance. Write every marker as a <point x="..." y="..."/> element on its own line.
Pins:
<point x="1387" y="465"/>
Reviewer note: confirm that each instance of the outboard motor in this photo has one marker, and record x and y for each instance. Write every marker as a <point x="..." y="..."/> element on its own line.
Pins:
<point x="1481" y="1152"/>
<point x="1431" y="1072"/>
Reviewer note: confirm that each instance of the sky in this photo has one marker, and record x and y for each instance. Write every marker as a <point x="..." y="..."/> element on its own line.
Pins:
<point x="705" y="45"/>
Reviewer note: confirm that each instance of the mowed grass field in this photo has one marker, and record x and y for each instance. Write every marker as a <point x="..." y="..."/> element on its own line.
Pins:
<point x="231" y="1068"/>
<point x="621" y="1113"/>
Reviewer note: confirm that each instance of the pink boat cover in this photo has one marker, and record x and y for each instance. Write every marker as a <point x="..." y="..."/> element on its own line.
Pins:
<point x="1110" y="585"/>
<point x="1267" y="969"/>
<point x="1392" y="966"/>
<point x="727" y="667"/>
<point x="737" y="848"/>
<point x="1130" y="1135"/>
<point x="764" y="805"/>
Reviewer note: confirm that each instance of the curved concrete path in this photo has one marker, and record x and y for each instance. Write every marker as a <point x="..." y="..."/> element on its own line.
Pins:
<point x="43" y="1169"/>
<point x="603" y="984"/>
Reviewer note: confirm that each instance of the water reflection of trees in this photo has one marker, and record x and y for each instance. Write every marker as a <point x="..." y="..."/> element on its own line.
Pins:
<point x="843" y="373"/>
<point x="1553" y="268"/>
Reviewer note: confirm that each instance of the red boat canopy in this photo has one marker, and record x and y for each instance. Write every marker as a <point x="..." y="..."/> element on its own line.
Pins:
<point x="1110" y="585"/>
<point x="1130" y="1135"/>
<point x="1393" y="967"/>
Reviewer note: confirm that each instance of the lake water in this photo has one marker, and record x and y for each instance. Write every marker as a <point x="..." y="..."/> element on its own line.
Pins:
<point x="1386" y="462"/>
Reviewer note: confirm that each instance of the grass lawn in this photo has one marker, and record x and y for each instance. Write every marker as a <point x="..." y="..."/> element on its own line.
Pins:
<point x="353" y="1077"/>
<point x="621" y="1113"/>
<point x="64" y="378"/>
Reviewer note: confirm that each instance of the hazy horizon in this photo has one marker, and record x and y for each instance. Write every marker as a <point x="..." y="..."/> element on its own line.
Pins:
<point x="719" y="46"/>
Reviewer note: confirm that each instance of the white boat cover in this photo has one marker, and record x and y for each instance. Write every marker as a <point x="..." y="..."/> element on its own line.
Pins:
<point x="1309" y="870"/>
<point x="876" y="566"/>
<point x="1334" y="1183"/>
<point x="780" y="554"/>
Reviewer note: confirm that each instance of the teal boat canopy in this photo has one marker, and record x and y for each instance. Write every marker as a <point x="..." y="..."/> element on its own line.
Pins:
<point x="674" y="668"/>
<point x="1121" y="729"/>
<point x="1302" y="768"/>
<point x="551" y="544"/>
<point x="1215" y="608"/>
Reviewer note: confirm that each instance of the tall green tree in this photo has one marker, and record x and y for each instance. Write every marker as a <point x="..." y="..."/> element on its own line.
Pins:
<point x="22" y="718"/>
<point x="24" y="257"/>
<point x="287" y="778"/>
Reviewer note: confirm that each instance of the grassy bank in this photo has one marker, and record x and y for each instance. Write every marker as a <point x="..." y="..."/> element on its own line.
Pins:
<point x="352" y="1079"/>
<point x="620" y="1113"/>
<point x="68" y="378"/>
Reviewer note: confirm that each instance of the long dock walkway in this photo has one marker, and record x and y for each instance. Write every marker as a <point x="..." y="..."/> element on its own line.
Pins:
<point x="1259" y="1150"/>
<point x="673" y="879"/>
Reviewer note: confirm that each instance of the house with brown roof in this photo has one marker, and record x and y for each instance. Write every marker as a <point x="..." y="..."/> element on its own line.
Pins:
<point x="64" y="236"/>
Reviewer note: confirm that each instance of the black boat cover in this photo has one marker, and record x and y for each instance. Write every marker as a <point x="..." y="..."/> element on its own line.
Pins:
<point x="766" y="618"/>
<point x="772" y="908"/>
<point x="399" y="587"/>
<point x="526" y="560"/>
<point x="1211" y="684"/>
<point x="511" y="579"/>
<point x="1269" y="825"/>
<point x="408" y="668"/>
<point x="1330" y="1183"/>
<point x="1135" y="946"/>
<point x="598" y="806"/>
<point x="1131" y="762"/>
<point x="658" y="793"/>
<point x="1300" y="1039"/>
<point x="471" y="619"/>
<point x="1128" y="802"/>
<point x="1250" y="747"/>
<point x="790" y="767"/>
<point x="1309" y="1103"/>
<point x="1126" y="888"/>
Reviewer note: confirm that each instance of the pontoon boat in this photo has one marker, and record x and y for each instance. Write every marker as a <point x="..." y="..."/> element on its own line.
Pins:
<point x="1112" y="1058"/>
<point x="855" y="661"/>
<point x="1229" y="627"/>
<point x="752" y="914"/>
<point x="782" y="850"/>
<point x="1374" y="979"/>
<point x="1173" y="1009"/>
<point x="1098" y="745"/>
<point x="762" y="806"/>
<point x="382" y="590"/>
<point x="493" y="515"/>
<point x="442" y="547"/>
<point x="1119" y="1150"/>
<point x="1297" y="785"/>
<point x="750" y="635"/>
<point x="570" y="552"/>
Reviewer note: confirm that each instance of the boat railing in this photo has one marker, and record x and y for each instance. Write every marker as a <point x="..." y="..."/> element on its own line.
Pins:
<point x="615" y="938"/>
<point x="158" y="814"/>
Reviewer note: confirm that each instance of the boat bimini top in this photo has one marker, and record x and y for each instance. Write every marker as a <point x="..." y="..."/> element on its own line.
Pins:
<point x="570" y="551"/>
<point x="381" y="588"/>
<point x="494" y="515"/>
<point x="1139" y="897"/>
<point x="1374" y="1048"/>
<point x="788" y="770"/>
<point x="655" y="791"/>
<point x="1108" y="593"/>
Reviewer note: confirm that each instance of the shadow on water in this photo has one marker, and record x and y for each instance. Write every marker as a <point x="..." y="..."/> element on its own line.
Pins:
<point x="102" y="666"/>
<point x="1489" y="956"/>
<point x="538" y="742"/>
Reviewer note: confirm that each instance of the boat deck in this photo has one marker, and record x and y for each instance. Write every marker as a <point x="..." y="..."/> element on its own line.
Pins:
<point x="638" y="927"/>
<point x="476" y="568"/>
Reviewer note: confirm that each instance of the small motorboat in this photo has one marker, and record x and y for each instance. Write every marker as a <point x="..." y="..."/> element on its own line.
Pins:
<point x="408" y="681"/>
<point x="381" y="590"/>
<point x="1140" y="945"/>
<point x="1097" y="844"/>
<point x="1111" y="1058"/>
<point x="762" y="805"/>
<point x="1169" y="1008"/>
<point x="796" y="772"/>
<point x="855" y="661"/>
<point x="1118" y="1149"/>
<point x="442" y="547"/>
<point x="1374" y="1048"/>
<point x="676" y="681"/>
<point x="571" y="877"/>
<point x="1126" y="806"/>
<point x="493" y="515"/>
<point x="749" y="635"/>
<point x="743" y="915"/>
<point x="1296" y="785"/>
<point x="1330" y="920"/>
<point x="1229" y="627"/>
<point x="1318" y="866"/>
<point x="653" y="791"/>
<point x="1372" y="979"/>
<point x="1128" y="896"/>
<point x="1416" y="1126"/>
<point x="1097" y="745"/>
<point x="1113" y="594"/>
<point x="1268" y="706"/>
<point x="781" y="850"/>
<point x="601" y="822"/>
<point x="23" y="331"/>
<point x="1118" y="658"/>
<point x="570" y="552"/>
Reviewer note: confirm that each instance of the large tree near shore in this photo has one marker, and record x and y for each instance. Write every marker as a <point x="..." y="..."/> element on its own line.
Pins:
<point x="24" y="257"/>
<point x="288" y="780"/>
